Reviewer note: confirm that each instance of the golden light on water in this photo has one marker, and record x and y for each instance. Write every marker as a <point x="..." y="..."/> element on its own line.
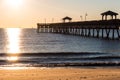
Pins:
<point x="13" y="40"/>
<point x="12" y="58"/>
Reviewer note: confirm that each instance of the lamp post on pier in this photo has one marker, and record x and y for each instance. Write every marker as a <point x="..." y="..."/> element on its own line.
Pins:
<point x="81" y="18"/>
<point x="86" y="16"/>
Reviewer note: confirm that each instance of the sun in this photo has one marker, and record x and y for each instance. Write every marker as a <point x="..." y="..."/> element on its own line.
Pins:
<point x="13" y="3"/>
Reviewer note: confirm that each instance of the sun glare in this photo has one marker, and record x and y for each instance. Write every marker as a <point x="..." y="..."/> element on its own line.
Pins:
<point x="13" y="3"/>
<point x="13" y="40"/>
<point x="12" y="59"/>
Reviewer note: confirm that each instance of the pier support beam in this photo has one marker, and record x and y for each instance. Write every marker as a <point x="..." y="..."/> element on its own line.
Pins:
<point x="113" y="33"/>
<point x="107" y="33"/>
<point x="89" y="32"/>
<point x="102" y="33"/>
<point x="93" y="33"/>
<point x="98" y="30"/>
<point x="118" y="33"/>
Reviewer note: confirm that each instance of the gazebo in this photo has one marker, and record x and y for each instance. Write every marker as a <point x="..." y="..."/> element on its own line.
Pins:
<point x="110" y="13"/>
<point x="67" y="18"/>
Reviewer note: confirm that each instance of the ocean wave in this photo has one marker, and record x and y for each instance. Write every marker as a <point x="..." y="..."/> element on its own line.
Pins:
<point x="51" y="53"/>
<point x="62" y="59"/>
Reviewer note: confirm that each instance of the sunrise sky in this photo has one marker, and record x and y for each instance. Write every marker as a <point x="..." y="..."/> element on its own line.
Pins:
<point x="26" y="13"/>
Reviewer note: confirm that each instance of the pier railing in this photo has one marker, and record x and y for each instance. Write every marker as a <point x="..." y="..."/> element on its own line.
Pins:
<point x="101" y="29"/>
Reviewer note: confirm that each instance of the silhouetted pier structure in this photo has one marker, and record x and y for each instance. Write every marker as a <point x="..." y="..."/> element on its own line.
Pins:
<point x="101" y="29"/>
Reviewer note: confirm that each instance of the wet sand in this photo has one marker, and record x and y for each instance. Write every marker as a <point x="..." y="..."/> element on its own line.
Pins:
<point x="60" y="74"/>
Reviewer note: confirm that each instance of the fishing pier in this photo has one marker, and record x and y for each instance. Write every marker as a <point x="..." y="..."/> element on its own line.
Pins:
<point x="104" y="28"/>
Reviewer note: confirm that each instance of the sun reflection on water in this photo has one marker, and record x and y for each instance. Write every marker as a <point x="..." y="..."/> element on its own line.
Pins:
<point x="13" y="35"/>
<point x="13" y="40"/>
<point x="12" y="58"/>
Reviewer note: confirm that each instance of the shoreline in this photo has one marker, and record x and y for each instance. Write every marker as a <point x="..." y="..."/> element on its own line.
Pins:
<point x="66" y="73"/>
<point x="69" y="67"/>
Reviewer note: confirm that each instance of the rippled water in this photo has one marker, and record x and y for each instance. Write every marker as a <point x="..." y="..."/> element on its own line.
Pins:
<point x="27" y="41"/>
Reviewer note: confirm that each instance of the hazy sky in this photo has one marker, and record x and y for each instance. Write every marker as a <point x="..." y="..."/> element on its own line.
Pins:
<point x="26" y="13"/>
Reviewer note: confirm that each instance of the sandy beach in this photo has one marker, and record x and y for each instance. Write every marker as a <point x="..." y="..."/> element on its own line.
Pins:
<point x="60" y="74"/>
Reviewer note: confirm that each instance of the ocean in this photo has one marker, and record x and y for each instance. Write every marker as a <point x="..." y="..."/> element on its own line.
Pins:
<point x="24" y="47"/>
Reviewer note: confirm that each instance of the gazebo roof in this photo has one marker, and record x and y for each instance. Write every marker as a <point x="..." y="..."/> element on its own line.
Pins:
<point x="109" y="13"/>
<point x="69" y="18"/>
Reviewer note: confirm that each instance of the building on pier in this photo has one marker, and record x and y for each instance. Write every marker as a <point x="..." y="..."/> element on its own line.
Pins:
<point x="112" y="14"/>
<point x="67" y="19"/>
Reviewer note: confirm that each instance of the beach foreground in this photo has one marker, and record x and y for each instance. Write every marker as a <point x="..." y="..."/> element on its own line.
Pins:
<point x="60" y="74"/>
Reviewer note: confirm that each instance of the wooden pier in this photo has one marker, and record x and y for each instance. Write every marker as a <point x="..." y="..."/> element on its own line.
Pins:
<point x="100" y="29"/>
<point x="104" y="28"/>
